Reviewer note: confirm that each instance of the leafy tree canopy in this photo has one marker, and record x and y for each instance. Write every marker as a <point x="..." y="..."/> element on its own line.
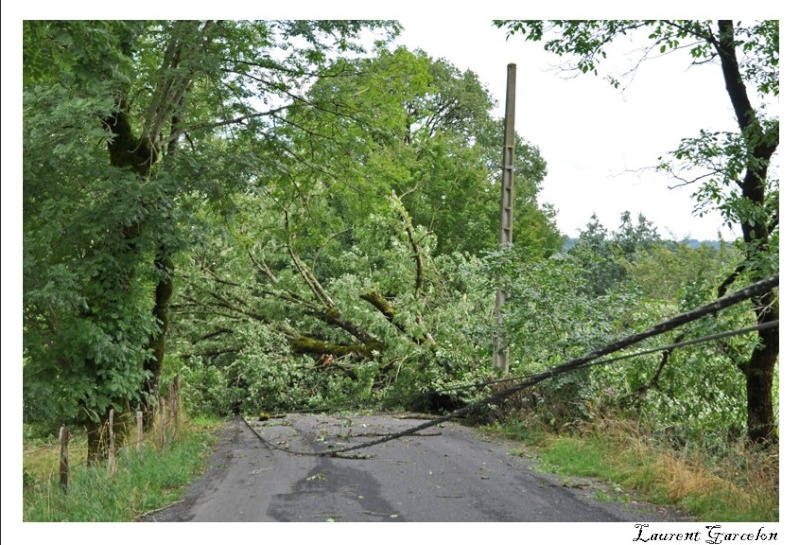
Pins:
<point x="737" y="169"/>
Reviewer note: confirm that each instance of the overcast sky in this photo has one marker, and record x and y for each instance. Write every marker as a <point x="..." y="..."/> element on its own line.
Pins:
<point x="599" y="142"/>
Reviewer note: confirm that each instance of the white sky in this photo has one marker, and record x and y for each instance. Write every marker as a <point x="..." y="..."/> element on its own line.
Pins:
<point x="595" y="139"/>
<point x="586" y="130"/>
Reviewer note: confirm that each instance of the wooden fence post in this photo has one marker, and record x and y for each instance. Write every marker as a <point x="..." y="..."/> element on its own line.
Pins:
<point x="171" y="408"/>
<point x="163" y="410"/>
<point x="139" y="433"/>
<point x="63" y="469"/>
<point x="112" y="455"/>
<point x="176" y="404"/>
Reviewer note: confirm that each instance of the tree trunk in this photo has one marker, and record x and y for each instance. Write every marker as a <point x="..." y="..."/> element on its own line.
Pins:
<point x="126" y="151"/>
<point x="759" y="372"/>
<point x="163" y="293"/>
<point x="762" y="142"/>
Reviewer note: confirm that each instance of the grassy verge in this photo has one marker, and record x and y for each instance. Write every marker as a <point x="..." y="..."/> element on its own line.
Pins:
<point x="738" y="486"/>
<point x="138" y="486"/>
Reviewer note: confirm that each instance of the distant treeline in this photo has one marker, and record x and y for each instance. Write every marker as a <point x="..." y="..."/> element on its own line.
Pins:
<point x="569" y="242"/>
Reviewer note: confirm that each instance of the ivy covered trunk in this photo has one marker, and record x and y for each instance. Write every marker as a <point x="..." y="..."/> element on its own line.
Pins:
<point x="138" y="155"/>
<point x="163" y="294"/>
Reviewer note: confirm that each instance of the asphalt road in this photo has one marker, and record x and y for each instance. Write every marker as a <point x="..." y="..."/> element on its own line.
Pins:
<point x="448" y="473"/>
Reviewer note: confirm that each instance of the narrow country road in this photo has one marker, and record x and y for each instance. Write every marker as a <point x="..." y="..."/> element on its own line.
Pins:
<point x="447" y="473"/>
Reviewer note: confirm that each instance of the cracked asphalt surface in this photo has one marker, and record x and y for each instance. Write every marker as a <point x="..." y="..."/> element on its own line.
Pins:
<point x="447" y="473"/>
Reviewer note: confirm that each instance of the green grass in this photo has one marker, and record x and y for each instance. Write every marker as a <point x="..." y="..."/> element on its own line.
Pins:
<point x="739" y="487"/>
<point x="138" y="486"/>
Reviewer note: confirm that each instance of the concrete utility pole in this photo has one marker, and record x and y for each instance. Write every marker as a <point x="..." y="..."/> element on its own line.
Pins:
<point x="501" y="356"/>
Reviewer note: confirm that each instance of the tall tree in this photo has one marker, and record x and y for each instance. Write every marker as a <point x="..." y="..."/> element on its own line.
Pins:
<point x="739" y="178"/>
<point x="391" y="178"/>
<point x="102" y="227"/>
<point x="432" y="123"/>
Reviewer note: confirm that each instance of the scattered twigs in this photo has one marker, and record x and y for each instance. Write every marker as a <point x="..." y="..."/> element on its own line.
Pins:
<point x="154" y="511"/>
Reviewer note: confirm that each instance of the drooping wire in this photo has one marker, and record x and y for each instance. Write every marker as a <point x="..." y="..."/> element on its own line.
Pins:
<point x="758" y="288"/>
<point x="716" y="336"/>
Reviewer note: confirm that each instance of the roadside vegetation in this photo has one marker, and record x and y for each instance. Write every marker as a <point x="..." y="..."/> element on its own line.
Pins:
<point x="93" y="494"/>
<point x="735" y="484"/>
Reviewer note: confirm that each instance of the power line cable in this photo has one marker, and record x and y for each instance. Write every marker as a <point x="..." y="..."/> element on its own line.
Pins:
<point x="766" y="325"/>
<point x="716" y="336"/>
<point x="756" y="289"/>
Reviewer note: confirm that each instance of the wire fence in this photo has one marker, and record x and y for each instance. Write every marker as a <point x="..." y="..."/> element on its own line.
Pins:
<point x="166" y="429"/>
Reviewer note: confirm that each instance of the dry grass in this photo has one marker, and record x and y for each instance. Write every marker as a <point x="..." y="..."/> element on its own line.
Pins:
<point x="140" y="483"/>
<point x="741" y="484"/>
<point x="40" y="458"/>
<point x="683" y="478"/>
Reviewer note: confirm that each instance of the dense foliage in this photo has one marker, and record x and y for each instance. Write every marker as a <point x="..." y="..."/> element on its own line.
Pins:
<point x="733" y="171"/>
<point x="291" y="221"/>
